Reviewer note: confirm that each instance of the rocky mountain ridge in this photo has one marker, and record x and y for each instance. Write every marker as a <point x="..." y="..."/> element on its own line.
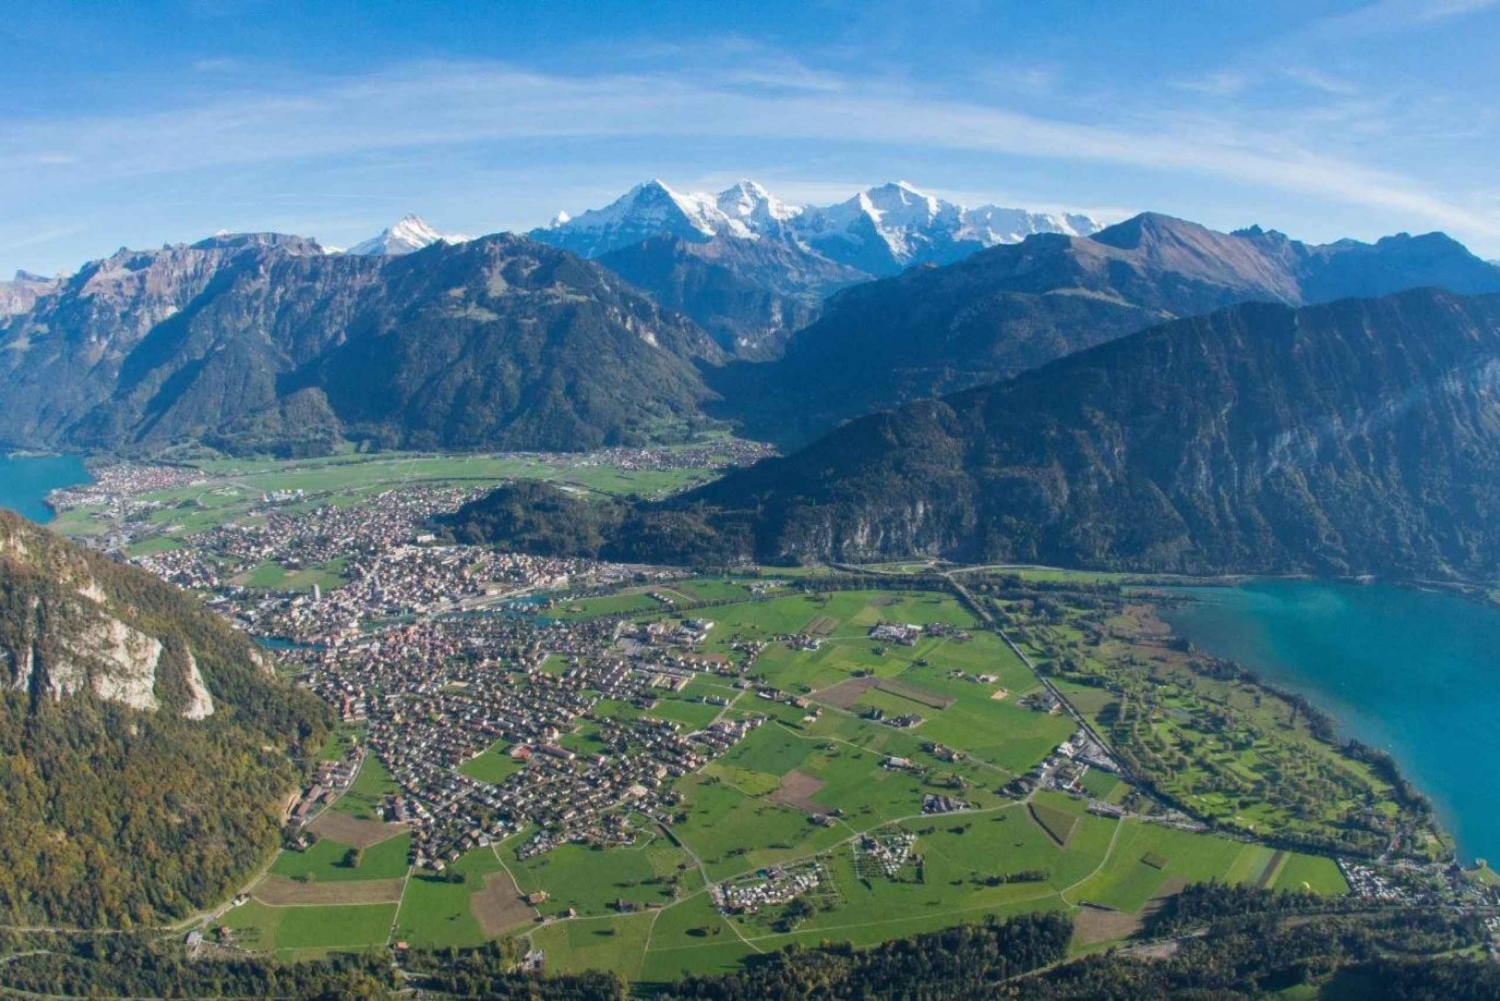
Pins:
<point x="263" y="341"/>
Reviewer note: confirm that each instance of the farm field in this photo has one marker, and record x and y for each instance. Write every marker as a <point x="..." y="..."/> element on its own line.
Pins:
<point x="308" y="931"/>
<point x="819" y="785"/>
<point x="593" y="881"/>
<point x="438" y="911"/>
<point x="324" y="861"/>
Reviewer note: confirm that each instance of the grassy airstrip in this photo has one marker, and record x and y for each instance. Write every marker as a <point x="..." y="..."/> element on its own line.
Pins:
<point x="805" y="786"/>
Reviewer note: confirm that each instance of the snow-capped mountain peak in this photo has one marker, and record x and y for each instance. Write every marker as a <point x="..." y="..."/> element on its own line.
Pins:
<point x="754" y="206"/>
<point x="409" y="234"/>
<point x="880" y="230"/>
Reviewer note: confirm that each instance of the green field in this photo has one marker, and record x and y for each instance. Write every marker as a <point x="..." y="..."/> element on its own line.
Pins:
<point x="324" y="861"/>
<point x="625" y="603"/>
<point x="310" y="930"/>
<point x="275" y="577"/>
<point x="435" y="913"/>
<point x="592" y="880"/>
<point x="371" y="786"/>
<point x="494" y="764"/>
<point x="596" y="944"/>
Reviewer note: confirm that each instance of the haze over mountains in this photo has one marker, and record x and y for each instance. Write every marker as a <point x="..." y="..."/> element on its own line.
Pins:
<point x="1359" y="436"/>
<point x="269" y="342"/>
<point x="931" y="331"/>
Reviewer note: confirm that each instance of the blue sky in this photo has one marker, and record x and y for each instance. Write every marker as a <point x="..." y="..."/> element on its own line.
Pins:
<point x="143" y="123"/>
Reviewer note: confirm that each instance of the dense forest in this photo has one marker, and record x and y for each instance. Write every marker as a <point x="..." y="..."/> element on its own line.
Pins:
<point x="125" y="816"/>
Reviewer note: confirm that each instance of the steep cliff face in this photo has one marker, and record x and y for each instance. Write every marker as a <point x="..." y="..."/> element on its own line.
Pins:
<point x="69" y="626"/>
<point x="21" y="292"/>
<point x="144" y="727"/>
<point x="1358" y="437"/>
<point x="263" y="341"/>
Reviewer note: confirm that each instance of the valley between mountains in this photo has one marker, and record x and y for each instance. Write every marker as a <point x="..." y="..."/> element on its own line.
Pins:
<point x="705" y="594"/>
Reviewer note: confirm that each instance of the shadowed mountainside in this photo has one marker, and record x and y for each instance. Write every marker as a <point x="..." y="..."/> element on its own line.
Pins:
<point x="1359" y="436"/>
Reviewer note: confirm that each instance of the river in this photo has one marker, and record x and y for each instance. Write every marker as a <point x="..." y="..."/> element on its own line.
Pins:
<point x="1414" y="673"/>
<point x="25" y="481"/>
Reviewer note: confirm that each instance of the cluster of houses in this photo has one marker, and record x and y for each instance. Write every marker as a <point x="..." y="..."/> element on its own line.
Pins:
<point x="898" y="633"/>
<point x="669" y="632"/>
<point x="115" y="488"/>
<point x="768" y="888"/>
<point x="884" y="852"/>
<point x="714" y="455"/>
<point x="1066" y="766"/>
<point x="384" y="552"/>
<point x="933" y="803"/>
<point x="1372" y="883"/>
<point x="902" y="721"/>
<point x="329" y="780"/>
<point x="1041" y="701"/>
<point x="441" y="692"/>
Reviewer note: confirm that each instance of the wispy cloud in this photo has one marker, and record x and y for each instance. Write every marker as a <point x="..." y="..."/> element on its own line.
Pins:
<point x="1219" y="84"/>
<point x="445" y="105"/>
<point x="1393" y="15"/>
<point x="1318" y="79"/>
<point x="217" y="64"/>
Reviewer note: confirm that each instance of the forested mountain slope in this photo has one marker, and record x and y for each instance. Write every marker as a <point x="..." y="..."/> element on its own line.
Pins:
<point x="1359" y="436"/>
<point x="145" y="746"/>
<point x="933" y="331"/>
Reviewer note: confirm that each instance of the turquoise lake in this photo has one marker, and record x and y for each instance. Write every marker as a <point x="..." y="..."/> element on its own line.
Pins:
<point x="26" y="481"/>
<point x="1413" y="673"/>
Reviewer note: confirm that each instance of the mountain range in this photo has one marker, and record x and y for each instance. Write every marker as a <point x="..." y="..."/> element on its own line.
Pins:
<point x="752" y="269"/>
<point x="879" y="231"/>
<point x="142" y="725"/>
<point x="1001" y="311"/>
<point x="1359" y="436"/>
<point x="272" y="343"/>
<point x="262" y="341"/>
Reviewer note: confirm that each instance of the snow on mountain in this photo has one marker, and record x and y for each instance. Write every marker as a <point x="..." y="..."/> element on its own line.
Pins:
<point x="991" y="224"/>
<point x="894" y="226"/>
<point x="879" y="231"/>
<point x="756" y="208"/>
<point x="411" y="233"/>
<point x="653" y="209"/>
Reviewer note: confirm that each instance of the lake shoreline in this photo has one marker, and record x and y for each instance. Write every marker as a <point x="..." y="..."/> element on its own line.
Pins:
<point x="1408" y="678"/>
